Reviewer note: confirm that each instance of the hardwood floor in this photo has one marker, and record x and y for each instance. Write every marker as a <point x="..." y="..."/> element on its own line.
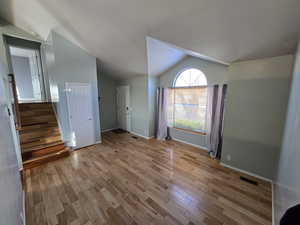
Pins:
<point x="137" y="181"/>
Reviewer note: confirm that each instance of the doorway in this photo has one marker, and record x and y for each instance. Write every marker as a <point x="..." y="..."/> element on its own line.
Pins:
<point x="123" y="108"/>
<point x="80" y="110"/>
<point x="26" y="69"/>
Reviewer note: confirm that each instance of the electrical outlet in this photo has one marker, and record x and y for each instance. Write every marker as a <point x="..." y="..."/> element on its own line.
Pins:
<point x="228" y="157"/>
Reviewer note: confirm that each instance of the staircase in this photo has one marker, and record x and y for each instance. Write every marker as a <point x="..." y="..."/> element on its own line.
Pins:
<point x="39" y="135"/>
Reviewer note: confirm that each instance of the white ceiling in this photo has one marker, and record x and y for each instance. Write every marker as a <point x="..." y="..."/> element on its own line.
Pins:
<point x="115" y="30"/>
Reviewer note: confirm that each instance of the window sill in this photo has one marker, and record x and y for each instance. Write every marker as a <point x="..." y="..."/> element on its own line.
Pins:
<point x="189" y="131"/>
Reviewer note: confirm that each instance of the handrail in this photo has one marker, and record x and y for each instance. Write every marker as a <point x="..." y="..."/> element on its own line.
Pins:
<point x="16" y="101"/>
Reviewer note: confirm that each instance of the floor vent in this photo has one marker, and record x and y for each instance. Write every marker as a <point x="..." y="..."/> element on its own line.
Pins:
<point x="249" y="180"/>
<point x="134" y="137"/>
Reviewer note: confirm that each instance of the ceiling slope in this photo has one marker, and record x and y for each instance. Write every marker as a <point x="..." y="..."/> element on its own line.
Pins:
<point x="162" y="56"/>
<point x="115" y="31"/>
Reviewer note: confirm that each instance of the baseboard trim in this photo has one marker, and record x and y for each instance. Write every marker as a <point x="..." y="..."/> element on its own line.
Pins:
<point x="142" y="136"/>
<point x="23" y="216"/>
<point x="273" y="203"/>
<point x="246" y="172"/>
<point x="188" y="143"/>
<point x="107" y="130"/>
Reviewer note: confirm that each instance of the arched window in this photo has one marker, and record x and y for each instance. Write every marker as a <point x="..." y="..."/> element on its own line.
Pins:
<point x="187" y="101"/>
<point x="189" y="78"/>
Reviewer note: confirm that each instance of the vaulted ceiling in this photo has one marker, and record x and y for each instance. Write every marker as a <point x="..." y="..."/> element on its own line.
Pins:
<point x="115" y="31"/>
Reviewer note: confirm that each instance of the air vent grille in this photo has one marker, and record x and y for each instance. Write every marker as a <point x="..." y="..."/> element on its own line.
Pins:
<point x="248" y="180"/>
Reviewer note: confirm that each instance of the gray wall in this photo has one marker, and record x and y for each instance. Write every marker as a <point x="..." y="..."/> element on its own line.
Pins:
<point x="139" y="104"/>
<point x="21" y="67"/>
<point x="153" y="83"/>
<point x="256" y="104"/>
<point x="255" y="111"/>
<point x="215" y="74"/>
<point x="287" y="183"/>
<point x="108" y="102"/>
<point x="67" y="62"/>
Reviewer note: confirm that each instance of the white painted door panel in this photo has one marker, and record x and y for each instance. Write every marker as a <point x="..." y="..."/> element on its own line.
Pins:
<point x="123" y="108"/>
<point x="79" y="96"/>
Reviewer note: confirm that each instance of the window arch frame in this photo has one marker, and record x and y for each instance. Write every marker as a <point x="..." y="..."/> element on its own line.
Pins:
<point x="184" y="70"/>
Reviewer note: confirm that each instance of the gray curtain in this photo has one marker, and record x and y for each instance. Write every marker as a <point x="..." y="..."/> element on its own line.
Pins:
<point x="161" y="114"/>
<point x="215" y="119"/>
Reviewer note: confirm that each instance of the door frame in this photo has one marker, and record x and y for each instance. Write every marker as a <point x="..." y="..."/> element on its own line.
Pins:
<point x="68" y="85"/>
<point x="39" y="59"/>
<point x="127" y="99"/>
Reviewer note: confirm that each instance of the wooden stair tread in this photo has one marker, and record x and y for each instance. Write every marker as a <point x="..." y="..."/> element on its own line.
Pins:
<point x="42" y="146"/>
<point x="41" y="140"/>
<point x="37" y="161"/>
<point x="37" y="120"/>
<point x="39" y="132"/>
<point x="45" y="156"/>
<point x="28" y="114"/>
<point x="40" y="137"/>
<point x="32" y="106"/>
<point x="38" y="126"/>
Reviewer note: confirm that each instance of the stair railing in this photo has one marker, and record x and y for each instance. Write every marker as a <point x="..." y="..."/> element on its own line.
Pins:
<point x="15" y="103"/>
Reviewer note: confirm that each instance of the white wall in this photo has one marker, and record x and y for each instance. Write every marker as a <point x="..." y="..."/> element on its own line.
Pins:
<point x="67" y="62"/>
<point x="287" y="184"/>
<point x="21" y="67"/>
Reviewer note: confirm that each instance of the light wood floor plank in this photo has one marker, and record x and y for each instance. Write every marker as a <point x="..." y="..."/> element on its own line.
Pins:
<point x="137" y="181"/>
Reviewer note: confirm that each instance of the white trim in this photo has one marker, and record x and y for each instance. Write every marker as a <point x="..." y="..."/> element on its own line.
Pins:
<point x="23" y="215"/>
<point x="98" y="142"/>
<point x="139" y="135"/>
<point x="107" y="130"/>
<point x="246" y="172"/>
<point x="197" y="146"/>
<point x="273" y="204"/>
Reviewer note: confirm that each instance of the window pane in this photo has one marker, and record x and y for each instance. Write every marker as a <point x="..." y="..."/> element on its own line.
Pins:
<point x="191" y="77"/>
<point x="190" y="108"/>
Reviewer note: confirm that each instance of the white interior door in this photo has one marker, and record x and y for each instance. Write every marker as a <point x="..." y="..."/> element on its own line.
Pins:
<point x="79" y="97"/>
<point x="123" y="108"/>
